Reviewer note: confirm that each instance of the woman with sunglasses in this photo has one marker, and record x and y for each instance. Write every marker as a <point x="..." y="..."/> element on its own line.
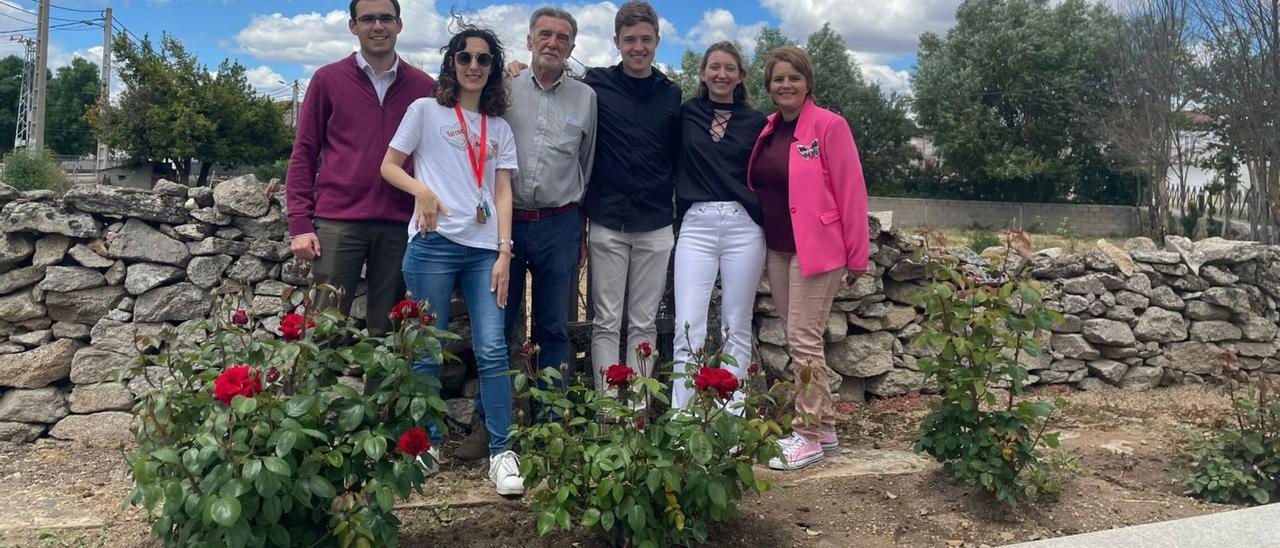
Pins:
<point x="463" y="156"/>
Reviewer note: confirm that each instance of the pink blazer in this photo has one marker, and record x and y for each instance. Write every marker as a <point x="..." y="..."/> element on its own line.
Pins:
<point x="826" y="191"/>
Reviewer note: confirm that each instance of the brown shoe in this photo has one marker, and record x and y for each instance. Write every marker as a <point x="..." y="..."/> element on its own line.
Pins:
<point x="476" y="445"/>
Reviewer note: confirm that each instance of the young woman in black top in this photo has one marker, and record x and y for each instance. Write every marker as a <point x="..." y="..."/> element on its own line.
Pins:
<point x="720" y="233"/>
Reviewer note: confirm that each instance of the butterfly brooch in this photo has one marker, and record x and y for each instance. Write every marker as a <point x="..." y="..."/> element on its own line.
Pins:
<point x="809" y="152"/>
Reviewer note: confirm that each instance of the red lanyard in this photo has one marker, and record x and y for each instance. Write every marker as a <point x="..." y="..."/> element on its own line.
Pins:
<point x="478" y="166"/>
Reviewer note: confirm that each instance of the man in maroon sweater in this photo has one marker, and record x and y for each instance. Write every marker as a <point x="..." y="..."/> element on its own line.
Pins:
<point x="342" y="215"/>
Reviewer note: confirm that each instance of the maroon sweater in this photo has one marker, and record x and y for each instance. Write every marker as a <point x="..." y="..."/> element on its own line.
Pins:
<point x="343" y="133"/>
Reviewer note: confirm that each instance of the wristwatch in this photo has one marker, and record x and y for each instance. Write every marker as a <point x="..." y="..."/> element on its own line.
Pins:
<point x="506" y="241"/>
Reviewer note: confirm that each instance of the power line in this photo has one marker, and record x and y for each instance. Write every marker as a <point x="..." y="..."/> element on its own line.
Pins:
<point x="19" y="8"/>
<point x="55" y="6"/>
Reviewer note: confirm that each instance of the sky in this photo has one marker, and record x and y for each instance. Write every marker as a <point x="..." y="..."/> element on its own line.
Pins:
<point x="282" y="40"/>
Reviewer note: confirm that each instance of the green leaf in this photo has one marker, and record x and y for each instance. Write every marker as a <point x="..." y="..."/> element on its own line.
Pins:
<point x="606" y="520"/>
<point x="286" y="441"/>
<point x="278" y="535"/>
<point x="251" y="469"/>
<point x="717" y="494"/>
<point x="225" y="511"/>
<point x="385" y="498"/>
<point x="700" y="447"/>
<point x="299" y="405"/>
<point x="546" y="520"/>
<point x="350" y="418"/>
<point x="244" y="406"/>
<point x="375" y="446"/>
<point x="165" y="454"/>
<point x="590" y="517"/>
<point x="277" y="465"/>
<point x="636" y="517"/>
<point x="1259" y="494"/>
<point x="321" y="487"/>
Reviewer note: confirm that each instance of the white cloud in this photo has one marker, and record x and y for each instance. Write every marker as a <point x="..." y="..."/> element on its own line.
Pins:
<point x="315" y="39"/>
<point x="718" y="25"/>
<point x="262" y="77"/>
<point x="882" y="26"/>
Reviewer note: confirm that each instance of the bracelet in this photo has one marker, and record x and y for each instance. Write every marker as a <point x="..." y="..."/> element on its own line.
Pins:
<point x="506" y="241"/>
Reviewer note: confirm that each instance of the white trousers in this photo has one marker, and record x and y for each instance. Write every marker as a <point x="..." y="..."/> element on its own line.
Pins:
<point x="715" y="238"/>
<point x="628" y="267"/>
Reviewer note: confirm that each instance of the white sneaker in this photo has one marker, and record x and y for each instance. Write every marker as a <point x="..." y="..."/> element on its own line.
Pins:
<point x="504" y="472"/>
<point x="434" y="468"/>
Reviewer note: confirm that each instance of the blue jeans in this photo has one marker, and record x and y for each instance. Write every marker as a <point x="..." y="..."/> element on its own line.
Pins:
<point x="548" y="249"/>
<point x="432" y="263"/>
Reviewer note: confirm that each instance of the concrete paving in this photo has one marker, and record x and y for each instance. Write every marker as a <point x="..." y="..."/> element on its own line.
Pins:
<point x="1257" y="527"/>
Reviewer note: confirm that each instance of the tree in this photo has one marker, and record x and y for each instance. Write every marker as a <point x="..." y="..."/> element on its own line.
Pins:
<point x="1240" y="86"/>
<point x="1010" y="97"/>
<point x="1149" y="91"/>
<point x="74" y="89"/>
<point x="174" y="111"/>
<point x="688" y="77"/>
<point x="768" y="39"/>
<point x="880" y="124"/>
<point x="10" y="89"/>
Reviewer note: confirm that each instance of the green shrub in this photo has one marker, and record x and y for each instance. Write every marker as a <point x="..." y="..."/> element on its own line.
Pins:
<point x="273" y="170"/>
<point x="1238" y="462"/>
<point x="980" y="239"/>
<point x="976" y="327"/>
<point x="26" y="171"/>
<point x="250" y="440"/>
<point x="607" y="465"/>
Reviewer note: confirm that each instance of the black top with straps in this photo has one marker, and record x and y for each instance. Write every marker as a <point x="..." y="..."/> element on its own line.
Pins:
<point x="713" y="170"/>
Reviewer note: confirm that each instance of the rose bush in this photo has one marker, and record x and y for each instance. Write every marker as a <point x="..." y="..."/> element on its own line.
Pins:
<point x="644" y="478"/>
<point x="302" y="459"/>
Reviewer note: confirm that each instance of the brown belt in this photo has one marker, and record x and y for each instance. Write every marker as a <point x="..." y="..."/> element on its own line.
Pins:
<point x="538" y="214"/>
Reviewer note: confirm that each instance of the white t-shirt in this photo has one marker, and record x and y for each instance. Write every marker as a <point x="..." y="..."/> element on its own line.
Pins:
<point x="431" y="133"/>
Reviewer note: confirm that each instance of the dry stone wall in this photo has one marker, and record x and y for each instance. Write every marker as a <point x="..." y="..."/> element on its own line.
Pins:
<point x="84" y="274"/>
<point x="1137" y="317"/>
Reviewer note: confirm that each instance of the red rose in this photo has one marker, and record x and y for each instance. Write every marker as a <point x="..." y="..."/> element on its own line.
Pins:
<point x="753" y="369"/>
<point x="644" y="349"/>
<point x="273" y="375"/>
<point x="292" y="326"/>
<point x="529" y="348"/>
<point x="404" y="310"/>
<point x="619" y="375"/>
<point x="237" y="380"/>
<point x="428" y="319"/>
<point x="414" y="442"/>
<point x="240" y="317"/>
<point x="640" y="422"/>
<point x="720" y="380"/>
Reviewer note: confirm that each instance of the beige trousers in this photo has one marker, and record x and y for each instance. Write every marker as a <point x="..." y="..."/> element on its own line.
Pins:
<point x="804" y="304"/>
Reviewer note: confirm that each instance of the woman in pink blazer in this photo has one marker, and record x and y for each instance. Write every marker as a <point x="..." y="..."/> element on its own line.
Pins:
<point x="806" y="172"/>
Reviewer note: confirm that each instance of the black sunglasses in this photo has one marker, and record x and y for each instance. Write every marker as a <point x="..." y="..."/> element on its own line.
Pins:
<point x="464" y="58"/>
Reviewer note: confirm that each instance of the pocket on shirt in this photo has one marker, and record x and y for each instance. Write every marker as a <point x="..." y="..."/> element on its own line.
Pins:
<point x="829" y="216"/>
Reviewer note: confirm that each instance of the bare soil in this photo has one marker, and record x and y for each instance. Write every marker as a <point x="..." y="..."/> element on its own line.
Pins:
<point x="1122" y="443"/>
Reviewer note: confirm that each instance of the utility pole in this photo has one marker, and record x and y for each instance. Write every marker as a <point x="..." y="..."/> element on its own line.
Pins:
<point x="294" y="106"/>
<point x="22" y="133"/>
<point x="36" y="143"/>
<point x="100" y="161"/>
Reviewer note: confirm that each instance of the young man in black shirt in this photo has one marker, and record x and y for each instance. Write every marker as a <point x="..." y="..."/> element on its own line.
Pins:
<point x="629" y="195"/>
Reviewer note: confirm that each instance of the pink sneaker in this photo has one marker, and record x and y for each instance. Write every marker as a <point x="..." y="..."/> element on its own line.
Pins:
<point x="797" y="452"/>
<point x="828" y="440"/>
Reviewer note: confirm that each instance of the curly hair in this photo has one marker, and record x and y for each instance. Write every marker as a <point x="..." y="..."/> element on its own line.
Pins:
<point x="493" y="99"/>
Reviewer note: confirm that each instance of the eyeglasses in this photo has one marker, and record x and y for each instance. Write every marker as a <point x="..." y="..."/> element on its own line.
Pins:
<point x="371" y="19"/>
<point x="464" y="58"/>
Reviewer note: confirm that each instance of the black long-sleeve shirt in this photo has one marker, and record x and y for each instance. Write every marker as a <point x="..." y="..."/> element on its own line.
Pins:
<point x="716" y="171"/>
<point x="637" y="147"/>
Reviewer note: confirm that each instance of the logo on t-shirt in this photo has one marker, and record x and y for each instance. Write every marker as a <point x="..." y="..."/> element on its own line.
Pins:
<point x="453" y="135"/>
